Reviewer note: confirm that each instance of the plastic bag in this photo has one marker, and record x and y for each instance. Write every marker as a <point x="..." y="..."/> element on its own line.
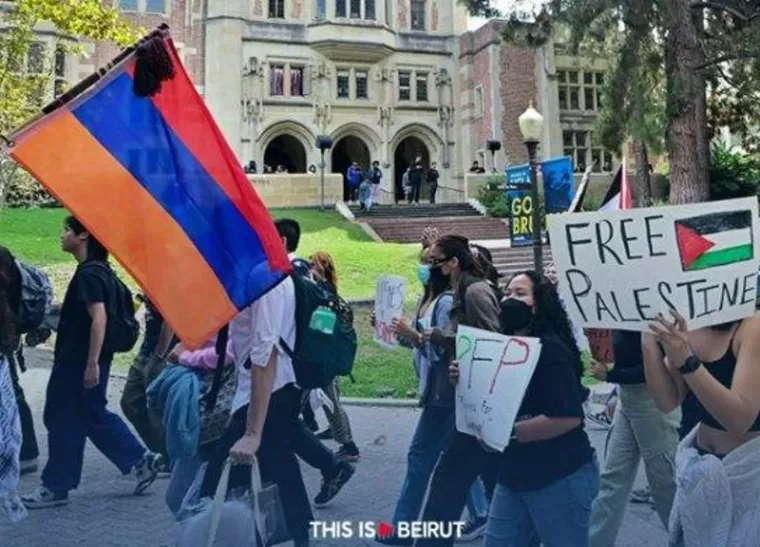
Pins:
<point x="243" y="519"/>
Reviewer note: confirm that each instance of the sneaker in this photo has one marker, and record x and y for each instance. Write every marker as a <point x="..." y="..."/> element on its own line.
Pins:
<point x="325" y="435"/>
<point x="331" y="486"/>
<point x="642" y="495"/>
<point x="164" y="469"/>
<point x="348" y="452"/>
<point x="601" y="419"/>
<point x="43" y="498"/>
<point x="28" y="466"/>
<point x="473" y="529"/>
<point x="146" y="471"/>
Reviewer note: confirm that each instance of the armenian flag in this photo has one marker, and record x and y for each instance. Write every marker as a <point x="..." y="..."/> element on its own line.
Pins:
<point x="135" y="155"/>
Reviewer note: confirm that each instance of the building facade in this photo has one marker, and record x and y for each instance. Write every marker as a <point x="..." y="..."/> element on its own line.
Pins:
<point x="386" y="80"/>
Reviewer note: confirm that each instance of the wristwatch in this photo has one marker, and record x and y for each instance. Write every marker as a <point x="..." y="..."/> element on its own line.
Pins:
<point x="691" y="364"/>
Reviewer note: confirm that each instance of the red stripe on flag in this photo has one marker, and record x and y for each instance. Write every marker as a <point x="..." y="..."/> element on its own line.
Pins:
<point x="185" y="112"/>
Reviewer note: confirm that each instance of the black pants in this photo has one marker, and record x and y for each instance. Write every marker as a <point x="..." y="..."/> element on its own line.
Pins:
<point x="414" y="195"/>
<point x="433" y="188"/>
<point x="29" y="448"/>
<point x="277" y="461"/>
<point x="311" y="450"/>
<point x="460" y="464"/>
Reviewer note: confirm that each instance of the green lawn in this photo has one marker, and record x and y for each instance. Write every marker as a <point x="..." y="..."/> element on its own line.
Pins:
<point x="33" y="235"/>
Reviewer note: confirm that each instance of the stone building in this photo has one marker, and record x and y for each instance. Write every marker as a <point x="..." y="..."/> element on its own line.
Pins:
<point x="387" y="80"/>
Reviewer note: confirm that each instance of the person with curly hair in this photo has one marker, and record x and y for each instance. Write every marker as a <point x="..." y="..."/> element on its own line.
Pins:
<point x="549" y="476"/>
<point x="323" y="271"/>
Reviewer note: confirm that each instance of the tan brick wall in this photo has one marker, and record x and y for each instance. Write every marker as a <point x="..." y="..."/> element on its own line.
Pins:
<point x="189" y="35"/>
<point x="518" y="87"/>
<point x="402" y="8"/>
<point x="292" y="190"/>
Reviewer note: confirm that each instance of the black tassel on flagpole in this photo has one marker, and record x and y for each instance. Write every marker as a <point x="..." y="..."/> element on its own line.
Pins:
<point x="153" y="66"/>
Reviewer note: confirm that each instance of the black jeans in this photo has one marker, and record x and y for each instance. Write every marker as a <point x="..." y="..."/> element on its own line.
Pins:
<point x="277" y="459"/>
<point x="29" y="448"/>
<point x="432" y="188"/>
<point x="311" y="450"/>
<point x="459" y="466"/>
<point x="414" y="195"/>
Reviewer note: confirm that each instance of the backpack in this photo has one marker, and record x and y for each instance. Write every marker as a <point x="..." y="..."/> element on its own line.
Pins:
<point x="36" y="298"/>
<point x="326" y="342"/>
<point x="122" y="330"/>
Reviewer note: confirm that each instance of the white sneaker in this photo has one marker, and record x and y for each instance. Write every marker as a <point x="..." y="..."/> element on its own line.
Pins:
<point x="146" y="471"/>
<point x="42" y="498"/>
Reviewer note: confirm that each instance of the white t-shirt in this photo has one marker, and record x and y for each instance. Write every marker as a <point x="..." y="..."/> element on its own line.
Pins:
<point x="257" y="331"/>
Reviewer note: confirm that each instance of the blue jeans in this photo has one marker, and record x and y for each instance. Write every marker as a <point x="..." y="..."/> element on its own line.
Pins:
<point x="558" y="514"/>
<point x="433" y="434"/>
<point x="184" y="472"/>
<point x="74" y="414"/>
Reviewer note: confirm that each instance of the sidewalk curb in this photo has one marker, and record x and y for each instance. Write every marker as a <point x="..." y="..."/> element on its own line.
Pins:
<point x="383" y="403"/>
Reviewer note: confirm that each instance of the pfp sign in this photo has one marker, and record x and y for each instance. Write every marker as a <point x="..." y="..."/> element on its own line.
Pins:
<point x="620" y="269"/>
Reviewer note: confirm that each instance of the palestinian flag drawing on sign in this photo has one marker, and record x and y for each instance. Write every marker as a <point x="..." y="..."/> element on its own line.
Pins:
<point x="714" y="239"/>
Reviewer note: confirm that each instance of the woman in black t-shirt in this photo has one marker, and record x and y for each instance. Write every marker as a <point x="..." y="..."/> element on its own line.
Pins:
<point x="549" y="476"/>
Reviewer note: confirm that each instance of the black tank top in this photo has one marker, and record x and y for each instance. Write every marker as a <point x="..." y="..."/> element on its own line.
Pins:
<point x="723" y="371"/>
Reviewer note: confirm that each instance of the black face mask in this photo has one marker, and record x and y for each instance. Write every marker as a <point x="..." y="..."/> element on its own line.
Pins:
<point x="516" y="315"/>
<point x="436" y="276"/>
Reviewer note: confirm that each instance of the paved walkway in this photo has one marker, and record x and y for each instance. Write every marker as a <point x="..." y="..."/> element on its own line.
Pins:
<point x="103" y="513"/>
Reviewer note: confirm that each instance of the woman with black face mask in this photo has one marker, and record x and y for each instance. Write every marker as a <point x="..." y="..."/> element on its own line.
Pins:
<point x="436" y="425"/>
<point x="548" y="477"/>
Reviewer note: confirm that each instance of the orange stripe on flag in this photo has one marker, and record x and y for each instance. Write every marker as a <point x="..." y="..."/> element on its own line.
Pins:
<point x="147" y="241"/>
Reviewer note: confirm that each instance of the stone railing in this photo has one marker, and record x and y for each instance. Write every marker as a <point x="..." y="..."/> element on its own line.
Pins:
<point x="297" y="190"/>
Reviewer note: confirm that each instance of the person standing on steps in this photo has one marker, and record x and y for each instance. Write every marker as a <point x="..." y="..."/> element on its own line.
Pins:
<point x="432" y="177"/>
<point x="376" y="178"/>
<point x="75" y="406"/>
<point x="415" y="180"/>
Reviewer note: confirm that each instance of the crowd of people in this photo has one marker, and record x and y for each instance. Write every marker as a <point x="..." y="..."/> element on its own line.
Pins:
<point x="548" y="487"/>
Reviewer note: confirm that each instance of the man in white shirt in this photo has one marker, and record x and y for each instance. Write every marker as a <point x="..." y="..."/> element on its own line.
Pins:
<point x="266" y="406"/>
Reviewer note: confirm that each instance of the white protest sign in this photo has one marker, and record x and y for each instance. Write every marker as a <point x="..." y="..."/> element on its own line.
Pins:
<point x="494" y="373"/>
<point x="389" y="305"/>
<point x="619" y="269"/>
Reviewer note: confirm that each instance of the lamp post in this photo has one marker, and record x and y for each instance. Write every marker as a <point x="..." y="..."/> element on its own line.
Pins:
<point x="493" y="146"/>
<point x="323" y="143"/>
<point x="531" y="126"/>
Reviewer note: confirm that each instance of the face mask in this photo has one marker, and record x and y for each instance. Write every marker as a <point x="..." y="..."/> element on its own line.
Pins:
<point x="437" y="276"/>
<point x="423" y="274"/>
<point x="516" y="315"/>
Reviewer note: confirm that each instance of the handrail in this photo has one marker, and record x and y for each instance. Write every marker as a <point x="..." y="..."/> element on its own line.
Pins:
<point x="451" y="188"/>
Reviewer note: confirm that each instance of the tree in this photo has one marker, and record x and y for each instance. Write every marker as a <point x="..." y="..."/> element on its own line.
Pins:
<point x="26" y="73"/>
<point x="663" y="55"/>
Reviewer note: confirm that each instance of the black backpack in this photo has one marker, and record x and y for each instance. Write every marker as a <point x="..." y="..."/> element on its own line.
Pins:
<point x="319" y="355"/>
<point x="36" y="298"/>
<point x="122" y="330"/>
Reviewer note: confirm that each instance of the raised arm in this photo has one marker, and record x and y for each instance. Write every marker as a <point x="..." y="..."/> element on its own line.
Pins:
<point x="736" y="409"/>
<point x="665" y="384"/>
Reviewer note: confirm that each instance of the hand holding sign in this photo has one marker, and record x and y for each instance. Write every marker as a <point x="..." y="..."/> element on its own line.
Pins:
<point x="673" y="337"/>
<point x="492" y="376"/>
<point x="389" y="306"/>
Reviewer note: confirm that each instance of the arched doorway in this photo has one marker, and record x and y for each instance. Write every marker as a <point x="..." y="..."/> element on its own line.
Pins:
<point x="346" y="151"/>
<point x="406" y="152"/>
<point x="286" y="150"/>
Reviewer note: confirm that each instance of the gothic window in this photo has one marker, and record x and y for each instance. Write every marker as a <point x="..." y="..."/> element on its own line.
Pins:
<point x="418" y="14"/>
<point x="277" y="9"/>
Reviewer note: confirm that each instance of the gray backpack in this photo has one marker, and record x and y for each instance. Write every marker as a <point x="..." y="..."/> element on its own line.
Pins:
<point x="36" y="298"/>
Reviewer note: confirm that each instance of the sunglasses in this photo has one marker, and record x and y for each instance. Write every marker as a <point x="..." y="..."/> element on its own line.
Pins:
<point x="437" y="262"/>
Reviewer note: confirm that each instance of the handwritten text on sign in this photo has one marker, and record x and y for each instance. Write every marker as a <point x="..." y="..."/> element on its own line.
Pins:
<point x="494" y="373"/>
<point x="389" y="305"/>
<point x="619" y="269"/>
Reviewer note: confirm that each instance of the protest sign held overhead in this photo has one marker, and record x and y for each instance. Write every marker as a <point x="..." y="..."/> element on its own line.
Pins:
<point x="494" y="373"/>
<point x="619" y="269"/>
<point x="389" y="305"/>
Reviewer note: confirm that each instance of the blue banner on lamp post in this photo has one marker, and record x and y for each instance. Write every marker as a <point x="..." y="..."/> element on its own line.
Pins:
<point x="559" y="184"/>
<point x="520" y="205"/>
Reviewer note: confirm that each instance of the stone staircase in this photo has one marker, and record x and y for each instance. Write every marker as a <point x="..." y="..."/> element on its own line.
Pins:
<point x="423" y="210"/>
<point x="509" y="261"/>
<point x="405" y="223"/>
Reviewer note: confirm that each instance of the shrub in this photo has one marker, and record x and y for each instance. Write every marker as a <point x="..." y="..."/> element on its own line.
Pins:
<point x="732" y="174"/>
<point x="22" y="190"/>
<point x="493" y="197"/>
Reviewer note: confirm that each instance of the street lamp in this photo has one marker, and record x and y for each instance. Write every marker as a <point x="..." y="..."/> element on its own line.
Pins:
<point x="323" y="143"/>
<point x="531" y="127"/>
<point x="493" y="146"/>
